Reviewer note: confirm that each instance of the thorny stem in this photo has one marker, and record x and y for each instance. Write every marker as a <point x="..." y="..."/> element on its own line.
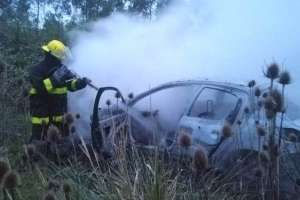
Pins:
<point x="271" y="87"/>
<point x="259" y="144"/>
<point x="273" y="167"/>
<point x="281" y="118"/>
<point x="261" y="179"/>
<point x="262" y="188"/>
<point x="117" y="103"/>
<point x="57" y="154"/>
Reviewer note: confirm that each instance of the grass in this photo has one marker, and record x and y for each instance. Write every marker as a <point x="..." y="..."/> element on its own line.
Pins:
<point x="132" y="175"/>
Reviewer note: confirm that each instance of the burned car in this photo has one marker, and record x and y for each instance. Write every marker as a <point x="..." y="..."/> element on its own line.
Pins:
<point x="197" y="108"/>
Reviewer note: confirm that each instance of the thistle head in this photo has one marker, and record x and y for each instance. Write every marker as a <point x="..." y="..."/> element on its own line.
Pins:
<point x="29" y="150"/>
<point x="272" y="71"/>
<point x="200" y="160"/>
<point x="68" y="118"/>
<point x="259" y="104"/>
<point x="108" y="102"/>
<point x="77" y="116"/>
<point x="251" y="83"/>
<point x="53" y="134"/>
<point x="257" y="92"/>
<point x="53" y="185"/>
<point x="247" y="110"/>
<point x="4" y="168"/>
<point x="284" y="78"/>
<point x="276" y="95"/>
<point x="184" y="140"/>
<point x="292" y="137"/>
<point x="265" y="95"/>
<point x="130" y="95"/>
<point x="49" y="196"/>
<point x="10" y="180"/>
<point x="275" y="150"/>
<point x="226" y="131"/>
<point x="118" y="95"/>
<point x="269" y="103"/>
<point x="67" y="188"/>
<point x="260" y="131"/>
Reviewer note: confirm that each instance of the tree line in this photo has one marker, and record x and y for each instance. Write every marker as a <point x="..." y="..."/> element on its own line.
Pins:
<point x="26" y="24"/>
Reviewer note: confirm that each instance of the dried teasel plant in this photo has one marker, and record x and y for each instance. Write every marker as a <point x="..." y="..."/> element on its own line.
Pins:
<point x="10" y="180"/>
<point x="272" y="71"/>
<point x="67" y="190"/>
<point x="53" y="134"/>
<point x="184" y="140"/>
<point x="284" y="78"/>
<point x="261" y="131"/>
<point x="49" y="196"/>
<point x="68" y="118"/>
<point x="226" y="131"/>
<point x="4" y="168"/>
<point x="200" y="160"/>
<point x="257" y="92"/>
<point x="292" y="137"/>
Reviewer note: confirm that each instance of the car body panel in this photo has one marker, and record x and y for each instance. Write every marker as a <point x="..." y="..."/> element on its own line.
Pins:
<point x="150" y="126"/>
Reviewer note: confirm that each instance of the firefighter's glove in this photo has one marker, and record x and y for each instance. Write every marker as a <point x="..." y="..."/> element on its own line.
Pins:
<point x="81" y="83"/>
<point x="61" y="76"/>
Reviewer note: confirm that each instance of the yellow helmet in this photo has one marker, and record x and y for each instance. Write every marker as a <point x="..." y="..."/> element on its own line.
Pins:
<point x="57" y="49"/>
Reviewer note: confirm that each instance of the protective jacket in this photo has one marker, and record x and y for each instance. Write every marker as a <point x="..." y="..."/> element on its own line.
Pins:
<point x="48" y="104"/>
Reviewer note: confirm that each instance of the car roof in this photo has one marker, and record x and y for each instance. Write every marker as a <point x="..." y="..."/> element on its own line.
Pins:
<point x="225" y="85"/>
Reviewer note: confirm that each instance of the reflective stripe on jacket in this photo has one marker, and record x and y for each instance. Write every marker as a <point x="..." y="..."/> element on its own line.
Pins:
<point x="47" y="103"/>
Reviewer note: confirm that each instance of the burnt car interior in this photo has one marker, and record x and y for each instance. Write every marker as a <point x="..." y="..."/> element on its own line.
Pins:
<point x="215" y="104"/>
<point x="161" y="110"/>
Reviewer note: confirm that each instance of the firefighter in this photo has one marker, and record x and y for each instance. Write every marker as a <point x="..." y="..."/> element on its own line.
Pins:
<point x="50" y="81"/>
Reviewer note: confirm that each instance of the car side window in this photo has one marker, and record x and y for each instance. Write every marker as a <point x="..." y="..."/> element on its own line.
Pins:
<point x="214" y="104"/>
<point x="167" y="104"/>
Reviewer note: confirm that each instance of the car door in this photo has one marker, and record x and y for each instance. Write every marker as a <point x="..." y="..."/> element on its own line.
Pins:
<point x="207" y="114"/>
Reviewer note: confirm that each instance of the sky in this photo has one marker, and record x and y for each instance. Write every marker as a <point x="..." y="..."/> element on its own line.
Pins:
<point x="223" y="40"/>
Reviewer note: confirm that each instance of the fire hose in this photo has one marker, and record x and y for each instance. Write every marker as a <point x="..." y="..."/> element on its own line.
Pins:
<point x="89" y="81"/>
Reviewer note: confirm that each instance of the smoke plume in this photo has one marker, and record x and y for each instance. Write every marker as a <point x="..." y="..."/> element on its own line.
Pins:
<point x="219" y="40"/>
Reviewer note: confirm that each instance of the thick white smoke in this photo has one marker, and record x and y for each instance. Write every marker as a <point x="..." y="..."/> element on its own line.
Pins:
<point x="228" y="40"/>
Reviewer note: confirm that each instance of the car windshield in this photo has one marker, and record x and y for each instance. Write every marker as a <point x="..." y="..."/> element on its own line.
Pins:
<point x="167" y="104"/>
<point x="213" y="104"/>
